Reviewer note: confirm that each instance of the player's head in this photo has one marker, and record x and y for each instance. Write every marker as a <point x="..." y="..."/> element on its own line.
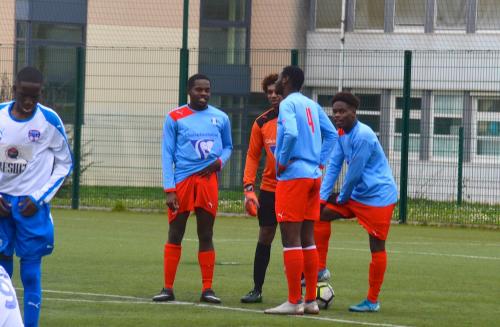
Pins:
<point x="199" y="91"/>
<point x="290" y="80"/>
<point x="345" y="105"/>
<point x="27" y="90"/>
<point x="269" y="88"/>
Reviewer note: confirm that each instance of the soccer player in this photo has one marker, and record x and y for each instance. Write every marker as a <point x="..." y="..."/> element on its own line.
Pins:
<point x="34" y="160"/>
<point x="368" y="191"/>
<point x="197" y="142"/>
<point x="262" y="137"/>
<point x="9" y="308"/>
<point x="300" y="151"/>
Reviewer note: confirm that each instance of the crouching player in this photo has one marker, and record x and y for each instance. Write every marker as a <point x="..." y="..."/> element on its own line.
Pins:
<point x="368" y="191"/>
<point x="34" y="160"/>
<point x="197" y="142"/>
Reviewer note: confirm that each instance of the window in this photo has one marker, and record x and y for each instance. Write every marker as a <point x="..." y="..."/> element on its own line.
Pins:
<point x="226" y="10"/>
<point x="51" y="48"/>
<point x="369" y="14"/>
<point x="414" y="126"/>
<point x="488" y="127"/>
<point x="488" y="13"/>
<point x="328" y="13"/>
<point x="448" y="111"/>
<point x="229" y="45"/>
<point x="410" y="13"/>
<point x="451" y="14"/>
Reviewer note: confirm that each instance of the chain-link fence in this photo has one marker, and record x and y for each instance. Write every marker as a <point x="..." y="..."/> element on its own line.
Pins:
<point x="454" y="119"/>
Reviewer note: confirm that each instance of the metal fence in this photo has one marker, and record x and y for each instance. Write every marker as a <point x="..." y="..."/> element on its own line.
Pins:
<point x="453" y="157"/>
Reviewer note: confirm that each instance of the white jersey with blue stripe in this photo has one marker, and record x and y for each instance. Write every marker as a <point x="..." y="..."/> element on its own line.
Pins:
<point x="368" y="179"/>
<point x="35" y="156"/>
<point x="305" y="137"/>
<point x="10" y="316"/>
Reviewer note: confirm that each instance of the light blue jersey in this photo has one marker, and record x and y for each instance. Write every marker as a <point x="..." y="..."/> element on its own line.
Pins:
<point x="369" y="177"/>
<point x="192" y="140"/>
<point x="305" y="137"/>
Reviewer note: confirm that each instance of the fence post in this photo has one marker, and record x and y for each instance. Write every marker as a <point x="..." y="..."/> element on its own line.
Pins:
<point x="184" y="57"/>
<point x="294" y="57"/>
<point x="77" y="129"/>
<point x="460" y="164"/>
<point x="405" y="136"/>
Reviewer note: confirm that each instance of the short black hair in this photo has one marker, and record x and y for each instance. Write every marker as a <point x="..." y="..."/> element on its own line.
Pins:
<point x="296" y="76"/>
<point x="196" y="77"/>
<point x="29" y="74"/>
<point x="348" y="98"/>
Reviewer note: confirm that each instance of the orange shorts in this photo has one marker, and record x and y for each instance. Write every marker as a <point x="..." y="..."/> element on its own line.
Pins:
<point x="297" y="200"/>
<point x="196" y="192"/>
<point x="376" y="220"/>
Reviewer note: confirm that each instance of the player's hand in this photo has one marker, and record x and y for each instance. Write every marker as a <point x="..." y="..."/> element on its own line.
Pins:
<point x="210" y="169"/>
<point x="251" y="203"/>
<point x="27" y="207"/>
<point x="172" y="201"/>
<point x="4" y="207"/>
<point x="333" y="198"/>
<point x="281" y="169"/>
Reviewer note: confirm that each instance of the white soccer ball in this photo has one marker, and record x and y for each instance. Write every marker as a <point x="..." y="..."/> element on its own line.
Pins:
<point x="325" y="295"/>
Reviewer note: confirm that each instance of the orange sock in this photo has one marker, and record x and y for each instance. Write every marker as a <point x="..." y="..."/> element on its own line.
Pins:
<point x="206" y="259"/>
<point x="310" y="271"/>
<point x="322" y="231"/>
<point x="376" y="277"/>
<point x="294" y="266"/>
<point x="171" y="258"/>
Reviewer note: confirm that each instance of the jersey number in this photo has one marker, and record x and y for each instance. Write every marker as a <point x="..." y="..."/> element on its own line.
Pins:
<point x="6" y="290"/>
<point x="310" y="119"/>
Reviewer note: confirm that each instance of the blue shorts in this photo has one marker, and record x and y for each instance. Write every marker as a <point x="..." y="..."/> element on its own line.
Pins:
<point x="30" y="237"/>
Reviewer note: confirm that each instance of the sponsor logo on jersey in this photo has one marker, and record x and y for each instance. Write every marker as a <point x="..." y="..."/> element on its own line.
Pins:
<point x="214" y="121"/>
<point x="34" y="135"/>
<point x="12" y="153"/>
<point x="202" y="147"/>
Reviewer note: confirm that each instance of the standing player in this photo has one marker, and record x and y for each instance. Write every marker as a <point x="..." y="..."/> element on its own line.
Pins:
<point x="263" y="137"/>
<point x="297" y="191"/>
<point x="34" y="160"/>
<point x="197" y="142"/>
<point x="368" y="191"/>
<point x="10" y="316"/>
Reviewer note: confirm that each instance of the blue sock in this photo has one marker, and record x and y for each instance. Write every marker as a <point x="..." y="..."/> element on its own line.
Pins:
<point x="8" y="265"/>
<point x="31" y="278"/>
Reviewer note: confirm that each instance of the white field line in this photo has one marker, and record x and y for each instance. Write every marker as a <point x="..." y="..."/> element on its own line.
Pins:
<point x="138" y="300"/>
<point x="465" y="256"/>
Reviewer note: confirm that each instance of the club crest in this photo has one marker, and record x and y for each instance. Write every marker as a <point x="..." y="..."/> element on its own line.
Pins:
<point x="202" y="147"/>
<point x="34" y="135"/>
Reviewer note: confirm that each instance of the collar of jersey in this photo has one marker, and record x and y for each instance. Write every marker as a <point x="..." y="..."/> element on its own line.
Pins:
<point x="21" y="120"/>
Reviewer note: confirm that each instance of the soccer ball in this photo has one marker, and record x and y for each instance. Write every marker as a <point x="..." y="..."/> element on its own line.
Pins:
<point x="325" y="295"/>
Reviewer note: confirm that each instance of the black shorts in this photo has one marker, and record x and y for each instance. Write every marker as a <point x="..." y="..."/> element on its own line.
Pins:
<point x="267" y="212"/>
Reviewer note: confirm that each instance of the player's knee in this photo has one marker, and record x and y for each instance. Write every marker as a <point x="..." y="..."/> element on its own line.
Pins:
<point x="266" y="234"/>
<point x="6" y="257"/>
<point x="30" y="273"/>
<point x="205" y="236"/>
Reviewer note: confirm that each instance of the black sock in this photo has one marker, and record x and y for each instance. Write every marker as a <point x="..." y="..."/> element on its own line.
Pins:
<point x="262" y="255"/>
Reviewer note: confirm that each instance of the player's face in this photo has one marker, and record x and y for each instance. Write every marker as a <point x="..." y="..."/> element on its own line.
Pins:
<point x="272" y="96"/>
<point x="27" y="95"/>
<point x="199" y="94"/>
<point x="278" y="86"/>
<point x="344" y="115"/>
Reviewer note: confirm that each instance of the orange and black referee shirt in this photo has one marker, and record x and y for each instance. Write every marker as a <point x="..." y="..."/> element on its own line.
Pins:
<point x="263" y="135"/>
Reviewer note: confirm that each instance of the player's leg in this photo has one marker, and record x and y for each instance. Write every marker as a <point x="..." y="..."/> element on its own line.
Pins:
<point x="172" y="255"/>
<point x="310" y="255"/>
<point x="206" y="254"/>
<point x="7" y="235"/>
<point x="267" y="230"/>
<point x="376" y="220"/>
<point x="31" y="277"/>
<point x="7" y="262"/>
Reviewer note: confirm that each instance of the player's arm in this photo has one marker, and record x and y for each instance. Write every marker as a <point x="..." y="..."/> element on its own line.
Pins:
<point x="361" y="154"/>
<point x="169" y="141"/>
<point x="287" y="117"/>
<point x="227" y="148"/>
<point x="251" y="166"/>
<point x="329" y="135"/>
<point x="63" y="164"/>
<point x="332" y="172"/>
